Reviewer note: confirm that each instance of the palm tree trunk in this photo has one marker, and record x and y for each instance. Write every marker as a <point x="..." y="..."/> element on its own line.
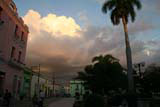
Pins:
<point x="129" y="58"/>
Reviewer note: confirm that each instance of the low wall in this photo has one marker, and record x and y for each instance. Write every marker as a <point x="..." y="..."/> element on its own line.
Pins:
<point x="148" y="102"/>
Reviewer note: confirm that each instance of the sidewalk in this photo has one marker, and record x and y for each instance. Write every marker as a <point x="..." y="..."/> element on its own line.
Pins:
<point x="28" y="103"/>
<point x="64" y="102"/>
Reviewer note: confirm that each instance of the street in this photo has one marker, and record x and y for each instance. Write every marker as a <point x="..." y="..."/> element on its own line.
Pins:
<point x="65" y="102"/>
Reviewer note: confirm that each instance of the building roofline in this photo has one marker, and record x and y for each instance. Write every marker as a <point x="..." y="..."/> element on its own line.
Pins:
<point x="3" y="4"/>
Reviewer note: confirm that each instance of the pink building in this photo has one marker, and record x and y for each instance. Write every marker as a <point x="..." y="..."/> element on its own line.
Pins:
<point x="13" y="42"/>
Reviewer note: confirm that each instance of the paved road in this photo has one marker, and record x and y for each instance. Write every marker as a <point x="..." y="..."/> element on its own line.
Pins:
<point x="65" y="102"/>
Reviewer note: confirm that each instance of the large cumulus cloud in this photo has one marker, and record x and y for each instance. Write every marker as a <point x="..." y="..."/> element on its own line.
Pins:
<point x="60" y="45"/>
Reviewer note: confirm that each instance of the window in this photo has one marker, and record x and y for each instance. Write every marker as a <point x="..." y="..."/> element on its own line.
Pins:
<point x="13" y="6"/>
<point x="22" y="36"/>
<point x="19" y="86"/>
<point x="16" y="29"/>
<point x="19" y="56"/>
<point x="13" y="52"/>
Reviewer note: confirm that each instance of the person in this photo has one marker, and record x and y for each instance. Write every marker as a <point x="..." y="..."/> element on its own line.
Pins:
<point x="41" y="98"/>
<point x="7" y="98"/>
<point x="1" y="99"/>
<point x="77" y="96"/>
<point x="35" y="100"/>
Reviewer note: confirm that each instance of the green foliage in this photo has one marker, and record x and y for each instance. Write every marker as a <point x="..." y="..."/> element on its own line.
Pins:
<point x="94" y="101"/>
<point x="103" y="75"/>
<point x="151" y="79"/>
<point x="120" y="9"/>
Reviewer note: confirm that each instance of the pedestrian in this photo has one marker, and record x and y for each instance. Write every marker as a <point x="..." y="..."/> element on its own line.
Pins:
<point x="77" y="96"/>
<point x="1" y="99"/>
<point x="35" y="100"/>
<point x="7" y="98"/>
<point x="41" y="98"/>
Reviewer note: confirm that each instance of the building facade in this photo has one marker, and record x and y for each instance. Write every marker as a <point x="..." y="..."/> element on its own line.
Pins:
<point x="57" y="89"/>
<point x="13" y="43"/>
<point x="41" y="83"/>
<point x="26" y="87"/>
<point x="77" y="86"/>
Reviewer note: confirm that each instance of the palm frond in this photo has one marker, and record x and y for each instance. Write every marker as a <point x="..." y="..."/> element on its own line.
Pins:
<point x="137" y="4"/>
<point x="115" y="18"/>
<point x="121" y="8"/>
<point x="132" y="14"/>
<point x="97" y="58"/>
<point x="108" y="5"/>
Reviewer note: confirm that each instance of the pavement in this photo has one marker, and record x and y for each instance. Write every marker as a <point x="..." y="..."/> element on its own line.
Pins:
<point x="28" y="103"/>
<point x="64" y="102"/>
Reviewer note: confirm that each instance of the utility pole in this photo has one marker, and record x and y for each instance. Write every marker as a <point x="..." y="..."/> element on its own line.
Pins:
<point x="39" y="70"/>
<point x="39" y="76"/>
<point x="53" y="82"/>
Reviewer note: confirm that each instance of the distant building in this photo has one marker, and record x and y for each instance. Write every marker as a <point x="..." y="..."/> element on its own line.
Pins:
<point x="44" y="85"/>
<point x="26" y="86"/>
<point x="67" y="89"/>
<point x="49" y="88"/>
<point x="77" y="86"/>
<point x="57" y="89"/>
<point x="13" y="43"/>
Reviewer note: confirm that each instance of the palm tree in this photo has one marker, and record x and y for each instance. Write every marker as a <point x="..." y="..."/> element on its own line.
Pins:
<point x="103" y="75"/>
<point x="122" y="10"/>
<point x="103" y="59"/>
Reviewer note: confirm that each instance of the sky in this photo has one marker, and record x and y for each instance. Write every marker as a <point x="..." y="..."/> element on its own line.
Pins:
<point x="66" y="34"/>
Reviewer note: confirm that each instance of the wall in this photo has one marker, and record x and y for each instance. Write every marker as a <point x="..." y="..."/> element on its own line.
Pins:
<point x="76" y="86"/>
<point x="44" y="85"/>
<point x="12" y="68"/>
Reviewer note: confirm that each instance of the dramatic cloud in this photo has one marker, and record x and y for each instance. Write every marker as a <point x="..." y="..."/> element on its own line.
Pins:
<point x="53" y="43"/>
<point x="57" y="25"/>
<point x="60" y="45"/>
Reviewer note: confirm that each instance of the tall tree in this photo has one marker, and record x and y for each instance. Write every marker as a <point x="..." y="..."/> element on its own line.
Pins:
<point x="121" y="10"/>
<point x="103" y="75"/>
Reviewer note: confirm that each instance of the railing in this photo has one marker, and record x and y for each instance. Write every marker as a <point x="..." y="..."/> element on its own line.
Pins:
<point x="15" y="63"/>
